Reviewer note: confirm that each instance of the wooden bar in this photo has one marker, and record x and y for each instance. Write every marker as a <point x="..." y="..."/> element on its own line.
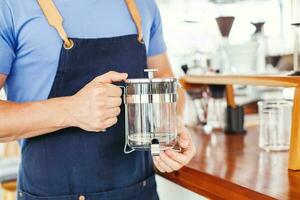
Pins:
<point x="190" y="82"/>
<point x="294" y="156"/>
<point x="262" y="80"/>
<point x="234" y="167"/>
<point x="10" y="186"/>
<point x="230" y="96"/>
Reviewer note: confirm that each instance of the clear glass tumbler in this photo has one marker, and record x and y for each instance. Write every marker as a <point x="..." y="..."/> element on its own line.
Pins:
<point x="275" y="124"/>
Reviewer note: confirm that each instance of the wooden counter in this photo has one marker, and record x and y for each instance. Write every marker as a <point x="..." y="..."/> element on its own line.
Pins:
<point x="233" y="167"/>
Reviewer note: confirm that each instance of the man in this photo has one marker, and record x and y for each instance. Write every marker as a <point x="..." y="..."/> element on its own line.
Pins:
<point x="63" y="105"/>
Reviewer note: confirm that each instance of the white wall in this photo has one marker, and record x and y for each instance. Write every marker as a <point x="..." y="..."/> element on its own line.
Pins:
<point x="2" y="95"/>
<point x="168" y="190"/>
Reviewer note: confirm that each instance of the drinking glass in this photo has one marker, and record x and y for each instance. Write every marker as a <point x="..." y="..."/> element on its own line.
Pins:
<point x="275" y="124"/>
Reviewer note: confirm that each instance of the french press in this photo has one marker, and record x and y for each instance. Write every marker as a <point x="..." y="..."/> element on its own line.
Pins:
<point x="150" y="113"/>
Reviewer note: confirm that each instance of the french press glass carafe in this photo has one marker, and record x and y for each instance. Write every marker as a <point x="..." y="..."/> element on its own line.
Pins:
<point x="150" y="112"/>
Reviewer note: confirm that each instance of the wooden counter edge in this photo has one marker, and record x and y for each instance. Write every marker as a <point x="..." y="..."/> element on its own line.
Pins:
<point x="261" y="80"/>
<point x="9" y="186"/>
<point x="211" y="186"/>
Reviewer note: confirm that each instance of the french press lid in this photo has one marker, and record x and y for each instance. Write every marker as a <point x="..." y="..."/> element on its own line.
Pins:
<point x="151" y="90"/>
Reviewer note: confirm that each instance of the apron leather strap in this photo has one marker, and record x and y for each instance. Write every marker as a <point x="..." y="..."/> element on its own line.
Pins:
<point x="136" y="18"/>
<point x="54" y="19"/>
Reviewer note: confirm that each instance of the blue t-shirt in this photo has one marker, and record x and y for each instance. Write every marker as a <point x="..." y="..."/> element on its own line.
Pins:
<point x="30" y="47"/>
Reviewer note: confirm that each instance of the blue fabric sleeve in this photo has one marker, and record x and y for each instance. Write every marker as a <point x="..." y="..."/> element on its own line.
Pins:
<point x="7" y="54"/>
<point x="156" y="44"/>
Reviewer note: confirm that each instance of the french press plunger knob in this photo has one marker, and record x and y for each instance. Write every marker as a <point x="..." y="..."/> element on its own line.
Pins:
<point x="151" y="72"/>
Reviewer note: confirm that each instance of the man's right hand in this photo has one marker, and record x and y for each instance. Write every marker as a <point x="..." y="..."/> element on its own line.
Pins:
<point x="96" y="106"/>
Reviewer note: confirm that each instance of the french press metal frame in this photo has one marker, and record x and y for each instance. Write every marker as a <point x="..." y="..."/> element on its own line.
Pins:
<point x="151" y="98"/>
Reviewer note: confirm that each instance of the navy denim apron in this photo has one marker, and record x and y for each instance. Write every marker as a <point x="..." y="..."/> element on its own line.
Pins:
<point x="71" y="163"/>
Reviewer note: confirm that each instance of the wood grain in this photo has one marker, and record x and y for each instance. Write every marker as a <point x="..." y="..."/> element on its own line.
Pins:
<point x="230" y="96"/>
<point x="10" y="186"/>
<point x="234" y="167"/>
<point x="294" y="157"/>
<point x="263" y="80"/>
<point x="11" y="149"/>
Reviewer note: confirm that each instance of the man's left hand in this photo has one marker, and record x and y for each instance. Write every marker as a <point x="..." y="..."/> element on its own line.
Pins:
<point x="170" y="160"/>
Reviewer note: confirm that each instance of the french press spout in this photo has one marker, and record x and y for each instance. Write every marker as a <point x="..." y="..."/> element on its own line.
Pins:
<point x="150" y="113"/>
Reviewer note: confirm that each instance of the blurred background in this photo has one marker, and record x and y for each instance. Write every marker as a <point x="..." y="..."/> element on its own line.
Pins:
<point x="193" y="35"/>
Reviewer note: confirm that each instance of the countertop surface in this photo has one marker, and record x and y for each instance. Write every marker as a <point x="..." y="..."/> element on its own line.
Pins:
<point x="234" y="167"/>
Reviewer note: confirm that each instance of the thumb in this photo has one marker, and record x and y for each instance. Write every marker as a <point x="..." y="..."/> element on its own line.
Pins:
<point x="111" y="77"/>
<point x="184" y="140"/>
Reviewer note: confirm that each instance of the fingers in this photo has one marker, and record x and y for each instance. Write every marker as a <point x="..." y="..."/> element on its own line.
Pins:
<point x="97" y="103"/>
<point x="162" y="164"/>
<point x="188" y="150"/>
<point x="111" y="77"/>
<point x="165" y="164"/>
<point x="113" y="91"/>
<point x="157" y="165"/>
<point x="184" y="140"/>
<point x="182" y="158"/>
<point x="106" y="89"/>
<point x="172" y="164"/>
<point x="171" y="160"/>
<point x="113" y="112"/>
<point x="110" y="122"/>
<point x="113" y="102"/>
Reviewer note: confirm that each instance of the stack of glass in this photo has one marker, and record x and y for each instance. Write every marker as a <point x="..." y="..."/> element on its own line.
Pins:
<point x="275" y="124"/>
